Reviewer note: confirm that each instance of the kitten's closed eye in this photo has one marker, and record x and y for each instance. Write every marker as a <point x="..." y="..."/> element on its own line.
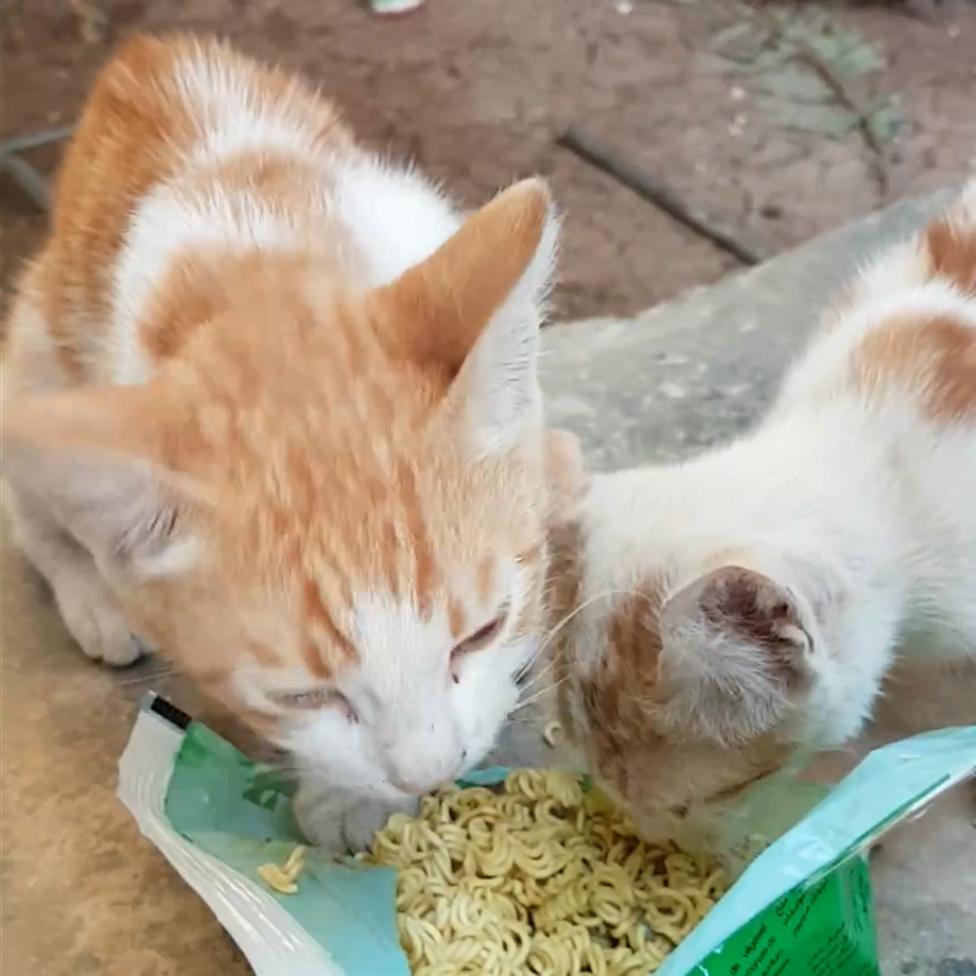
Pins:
<point x="481" y="638"/>
<point x="314" y="699"/>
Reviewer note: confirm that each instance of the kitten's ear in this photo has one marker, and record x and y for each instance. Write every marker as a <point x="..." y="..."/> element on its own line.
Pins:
<point x="90" y="457"/>
<point x="735" y="654"/>
<point x="472" y="310"/>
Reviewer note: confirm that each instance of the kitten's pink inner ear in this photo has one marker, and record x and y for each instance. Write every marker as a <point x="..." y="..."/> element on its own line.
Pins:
<point x="436" y="310"/>
<point x="734" y="652"/>
<point x="751" y="606"/>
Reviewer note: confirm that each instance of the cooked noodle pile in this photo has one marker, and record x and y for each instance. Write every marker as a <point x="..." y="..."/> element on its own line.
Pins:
<point x="537" y="879"/>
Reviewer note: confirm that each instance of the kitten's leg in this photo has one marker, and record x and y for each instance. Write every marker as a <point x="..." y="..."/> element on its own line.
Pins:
<point x="317" y="810"/>
<point x="88" y="607"/>
<point x="338" y="821"/>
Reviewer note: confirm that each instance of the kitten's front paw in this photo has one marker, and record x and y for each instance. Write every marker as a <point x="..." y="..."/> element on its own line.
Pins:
<point x="340" y="824"/>
<point x="361" y="821"/>
<point x="95" y="621"/>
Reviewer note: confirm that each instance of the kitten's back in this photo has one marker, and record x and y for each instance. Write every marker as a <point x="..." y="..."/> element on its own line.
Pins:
<point x="904" y="336"/>
<point x="895" y="368"/>
<point x="162" y="109"/>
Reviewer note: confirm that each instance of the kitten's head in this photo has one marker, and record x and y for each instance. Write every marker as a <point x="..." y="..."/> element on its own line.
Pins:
<point x="687" y="692"/>
<point x="329" y="509"/>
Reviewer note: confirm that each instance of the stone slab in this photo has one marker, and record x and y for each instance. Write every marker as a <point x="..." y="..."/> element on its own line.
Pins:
<point x="698" y="369"/>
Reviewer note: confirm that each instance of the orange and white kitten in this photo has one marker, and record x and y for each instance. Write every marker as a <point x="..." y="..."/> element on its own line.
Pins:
<point x="747" y="603"/>
<point x="271" y="406"/>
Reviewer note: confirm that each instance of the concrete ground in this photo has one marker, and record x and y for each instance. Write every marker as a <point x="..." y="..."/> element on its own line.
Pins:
<point x="83" y="893"/>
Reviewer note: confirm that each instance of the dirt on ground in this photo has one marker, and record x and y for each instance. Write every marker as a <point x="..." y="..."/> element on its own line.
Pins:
<point x="477" y="92"/>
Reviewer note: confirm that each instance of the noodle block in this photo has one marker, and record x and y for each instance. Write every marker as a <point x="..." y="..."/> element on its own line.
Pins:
<point x="540" y="878"/>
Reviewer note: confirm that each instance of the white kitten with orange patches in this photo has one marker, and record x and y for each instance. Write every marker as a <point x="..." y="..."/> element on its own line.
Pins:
<point x="748" y="602"/>
<point x="271" y="405"/>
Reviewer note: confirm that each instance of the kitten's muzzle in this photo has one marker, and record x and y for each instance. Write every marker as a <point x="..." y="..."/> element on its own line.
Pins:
<point x="413" y="789"/>
<point x="419" y="788"/>
<point x="428" y="777"/>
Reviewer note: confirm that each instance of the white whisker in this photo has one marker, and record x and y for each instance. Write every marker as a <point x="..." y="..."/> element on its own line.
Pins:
<point x="539" y="694"/>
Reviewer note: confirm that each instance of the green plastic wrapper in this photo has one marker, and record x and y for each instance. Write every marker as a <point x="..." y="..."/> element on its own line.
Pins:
<point x="802" y="905"/>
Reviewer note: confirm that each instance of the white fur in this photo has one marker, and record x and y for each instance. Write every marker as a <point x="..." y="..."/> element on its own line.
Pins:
<point x="88" y="607"/>
<point x="863" y="507"/>
<point x="396" y="217"/>
<point x="237" y="116"/>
